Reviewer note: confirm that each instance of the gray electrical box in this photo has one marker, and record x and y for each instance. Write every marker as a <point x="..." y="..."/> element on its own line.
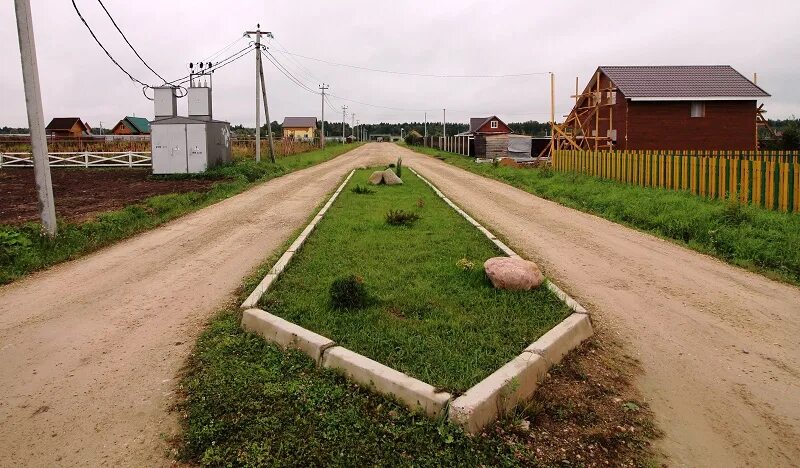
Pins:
<point x="183" y="145"/>
<point x="165" y="102"/>
<point x="200" y="103"/>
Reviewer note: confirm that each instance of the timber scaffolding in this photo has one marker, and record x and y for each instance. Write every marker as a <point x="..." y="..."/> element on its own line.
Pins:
<point x="594" y="105"/>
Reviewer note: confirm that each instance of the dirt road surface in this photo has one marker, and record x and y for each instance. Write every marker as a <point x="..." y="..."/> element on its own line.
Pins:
<point x="719" y="345"/>
<point x="90" y="349"/>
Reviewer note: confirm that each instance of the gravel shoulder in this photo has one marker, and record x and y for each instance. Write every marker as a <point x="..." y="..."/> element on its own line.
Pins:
<point x="718" y="344"/>
<point x="90" y="350"/>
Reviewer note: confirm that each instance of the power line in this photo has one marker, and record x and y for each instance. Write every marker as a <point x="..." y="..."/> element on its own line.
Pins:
<point x="288" y="74"/>
<point x="221" y="64"/>
<point x="126" y="40"/>
<point x="426" y="75"/>
<point x="105" y="50"/>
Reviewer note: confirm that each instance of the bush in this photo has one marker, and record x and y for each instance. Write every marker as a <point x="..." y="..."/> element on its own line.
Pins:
<point x="734" y="213"/>
<point x="348" y="293"/>
<point x="401" y="218"/>
<point x="12" y="245"/>
<point x="362" y="190"/>
<point x="399" y="168"/>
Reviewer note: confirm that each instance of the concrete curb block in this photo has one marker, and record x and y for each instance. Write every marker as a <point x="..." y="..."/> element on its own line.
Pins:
<point x="383" y="379"/>
<point x="285" y="333"/>
<point x="562" y="338"/>
<point x="283" y="261"/>
<point x="518" y="379"/>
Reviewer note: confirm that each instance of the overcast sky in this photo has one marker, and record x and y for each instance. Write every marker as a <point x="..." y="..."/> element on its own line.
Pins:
<point x="429" y="37"/>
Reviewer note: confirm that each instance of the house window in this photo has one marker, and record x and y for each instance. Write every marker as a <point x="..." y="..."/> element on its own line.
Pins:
<point x="698" y="109"/>
<point x="494" y="124"/>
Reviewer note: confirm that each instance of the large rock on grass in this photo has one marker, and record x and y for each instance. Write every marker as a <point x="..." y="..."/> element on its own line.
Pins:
<point x="376" y="178"/>
<point x="390" y="178"/>
<point x="513" y="273"/>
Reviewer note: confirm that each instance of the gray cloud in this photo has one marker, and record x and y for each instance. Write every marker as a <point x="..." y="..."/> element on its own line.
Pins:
<point x="464" y="37"/>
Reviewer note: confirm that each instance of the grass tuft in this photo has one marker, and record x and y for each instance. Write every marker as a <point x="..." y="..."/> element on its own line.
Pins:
<point x="401" y="218"/>
<point x="348" y="293"/>
<point x="362" y="190"/>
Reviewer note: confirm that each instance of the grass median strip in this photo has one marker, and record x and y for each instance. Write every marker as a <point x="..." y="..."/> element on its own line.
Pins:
<point x="764" y="241"/>
<point x="422" y="303"/>
<point x="24" y="248"/>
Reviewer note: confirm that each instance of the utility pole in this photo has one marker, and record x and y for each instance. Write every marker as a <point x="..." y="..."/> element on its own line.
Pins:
<point x="553" y="113"/>
<point x="33" y="102"/>
<point x="426" y="125"/>
<point x="322" y="135"/>
<point x="352" y="124"/>
<point x="355" y="134"/>
<point x="344" y="113"/>
<point x="266" y="111"/>
<point x="444" y="122"/>
<point x="258" y="33"/>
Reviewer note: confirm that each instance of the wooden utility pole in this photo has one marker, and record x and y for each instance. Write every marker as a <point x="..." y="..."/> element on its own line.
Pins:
<point x="33" y="102"/>
<point x="258" y="33"/>
<point x="322" y="135"/>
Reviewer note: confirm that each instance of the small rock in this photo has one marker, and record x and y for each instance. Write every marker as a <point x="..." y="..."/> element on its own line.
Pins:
<point x="390" y="178"/>
<point x="376" y="178"/>
<point x="513" y="273"/>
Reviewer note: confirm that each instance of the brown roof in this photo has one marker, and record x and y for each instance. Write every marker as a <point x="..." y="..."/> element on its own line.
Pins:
<point x="299" y="122"/>
<point x="476" y="122"/>
<point x="683" y="81"/>
<point x="64" y="123"/>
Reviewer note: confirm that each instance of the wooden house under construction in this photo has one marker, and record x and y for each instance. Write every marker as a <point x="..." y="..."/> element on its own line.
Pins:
<point x="664" y="108"/>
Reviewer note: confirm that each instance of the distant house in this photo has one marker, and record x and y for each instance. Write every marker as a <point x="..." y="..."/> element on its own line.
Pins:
<point x="299" y="128"/>
<point x="68" y="127"/>
<point x="132" y="126"/>
<point x="696" y="107"/>
<point x="490" y="137"/>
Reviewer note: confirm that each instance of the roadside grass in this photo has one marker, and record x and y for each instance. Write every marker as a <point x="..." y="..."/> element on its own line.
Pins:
<point x="246" y="402"/>
<point x="426" y="315"/>
<point x="760" y="240"/>
<point x="24" y="248"/>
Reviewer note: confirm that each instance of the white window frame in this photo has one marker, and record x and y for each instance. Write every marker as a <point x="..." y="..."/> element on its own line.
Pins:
<point x="697" y="109"/>
<point x="494" y="124"/>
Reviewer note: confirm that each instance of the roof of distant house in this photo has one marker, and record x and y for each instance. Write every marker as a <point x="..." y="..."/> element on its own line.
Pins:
<point x="299" y="122"/>
<point x="64" y="123"/>
<point x="139" y="124"/>
<point x="475" y="123"/>
<point x="682" y="81"/>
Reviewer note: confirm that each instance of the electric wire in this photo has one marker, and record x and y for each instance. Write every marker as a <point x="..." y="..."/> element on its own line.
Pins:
<point x="127" y="41"/>
<point x="94" y="36"/>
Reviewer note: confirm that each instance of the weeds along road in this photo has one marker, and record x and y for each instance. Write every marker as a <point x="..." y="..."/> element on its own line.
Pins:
<point x="90" y="349"/>
<point x="719" y="345"/>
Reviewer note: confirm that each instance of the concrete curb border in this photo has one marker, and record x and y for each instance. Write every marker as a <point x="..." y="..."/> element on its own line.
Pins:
<point x="518" y="379"/>
<point x="480" y="405"/>
<point x="283" y="261"/>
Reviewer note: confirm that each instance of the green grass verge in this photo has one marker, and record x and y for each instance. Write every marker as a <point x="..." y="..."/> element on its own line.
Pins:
<point x="24" y="249"/>
<point x="764" y="241"/>
<point x="425" y="316"/>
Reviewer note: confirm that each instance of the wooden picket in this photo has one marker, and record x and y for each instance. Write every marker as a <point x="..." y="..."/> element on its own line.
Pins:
<point x="770" y="179"/>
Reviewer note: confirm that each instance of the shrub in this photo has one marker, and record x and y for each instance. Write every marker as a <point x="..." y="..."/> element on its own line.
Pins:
<point x="401" y="218"/>
<point x="348" y="292"/>
<point x="734" y="214"/>
<point x="465" y="264"/>
<point x="399" y="168"/>
<point x="362" y="190"/>
<point x="12" y="245"/>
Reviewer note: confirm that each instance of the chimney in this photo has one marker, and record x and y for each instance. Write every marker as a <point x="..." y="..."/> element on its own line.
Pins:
<point x="200" y="103"/>
<point x="165" y="102"/>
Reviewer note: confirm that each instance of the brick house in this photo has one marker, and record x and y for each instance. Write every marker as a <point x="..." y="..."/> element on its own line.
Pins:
<point x="669" y="107"/>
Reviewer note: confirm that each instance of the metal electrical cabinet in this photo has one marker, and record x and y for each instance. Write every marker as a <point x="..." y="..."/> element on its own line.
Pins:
<point x="183" y="145"/>
<point x="187" y="145"/>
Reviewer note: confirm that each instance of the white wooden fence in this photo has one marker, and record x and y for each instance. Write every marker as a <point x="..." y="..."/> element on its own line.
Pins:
<point x="82" y="159"/>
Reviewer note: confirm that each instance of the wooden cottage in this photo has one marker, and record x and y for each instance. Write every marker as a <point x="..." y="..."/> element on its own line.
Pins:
<point x="299" y="128"/>
<point x="68" y="127"/>
<point x="490" y="137"/>
<point x="664" y="107"/>
<point x="132" y="126"/>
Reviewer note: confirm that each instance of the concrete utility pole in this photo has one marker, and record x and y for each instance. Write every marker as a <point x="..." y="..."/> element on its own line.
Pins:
<point x="266" y="111"/>
<point x="258" y="33"/>
<point x="33" y="102"/>
<point x="355" y="134"/>
<point x="322" y="135"/>
<point x="444" y="122"/>
<point x="353" y="124"/>
<point x="344" y="113"/>
<point x="426" y="125"/>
